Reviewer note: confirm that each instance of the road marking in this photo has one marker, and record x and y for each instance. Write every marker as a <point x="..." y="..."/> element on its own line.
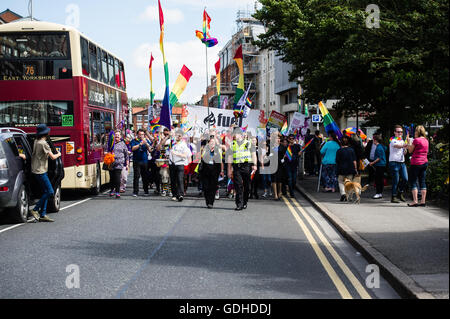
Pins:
<point x="323" y="259"/>
<point x="355" y="282"/>
<point x="75" y="204"/>
<point x="11" y="227"/>
<point x="72" y="205"/>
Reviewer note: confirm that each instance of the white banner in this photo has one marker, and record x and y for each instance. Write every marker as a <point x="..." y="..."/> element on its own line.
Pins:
<point x="219" y="119"/>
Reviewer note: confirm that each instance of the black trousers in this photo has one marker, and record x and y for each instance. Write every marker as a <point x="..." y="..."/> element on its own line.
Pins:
<point x="309" y="162"/>
<point x="241" y="174"/>
<point x="140" y="170"/>
<point x="155" y="176"/>
<point x="209" y="177"/>
<point x="177" y="180"/>
<point x="379" y="179"/>
<point x="115" y="176"/>
<point x="254" y="184"/>
<point x="371" y="171"/>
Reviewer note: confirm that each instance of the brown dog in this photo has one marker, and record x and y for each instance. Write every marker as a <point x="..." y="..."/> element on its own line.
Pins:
<point x="353" y="189"/>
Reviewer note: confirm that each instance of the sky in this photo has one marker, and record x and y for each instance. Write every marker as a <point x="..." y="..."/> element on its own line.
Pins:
<point x="130" y="30"/>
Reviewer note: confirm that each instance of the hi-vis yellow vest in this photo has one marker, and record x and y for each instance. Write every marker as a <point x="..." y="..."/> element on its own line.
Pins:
<point x="241" y="153"/>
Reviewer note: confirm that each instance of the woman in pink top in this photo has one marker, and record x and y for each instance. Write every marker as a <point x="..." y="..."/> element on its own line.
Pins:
<point x="419" y="164"/>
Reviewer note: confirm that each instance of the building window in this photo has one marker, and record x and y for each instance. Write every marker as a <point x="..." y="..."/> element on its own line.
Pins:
<point x="139" y="118"/>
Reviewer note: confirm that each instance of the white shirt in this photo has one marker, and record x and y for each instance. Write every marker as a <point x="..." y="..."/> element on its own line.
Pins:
<point x="180" y="148"/>
<point x="396" y="154"/>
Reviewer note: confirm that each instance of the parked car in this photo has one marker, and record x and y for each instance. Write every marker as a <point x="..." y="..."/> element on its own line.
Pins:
<point x="18" y="187"/>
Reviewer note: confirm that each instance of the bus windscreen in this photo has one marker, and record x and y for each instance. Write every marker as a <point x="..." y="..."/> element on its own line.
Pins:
<point x="35" y="56"/>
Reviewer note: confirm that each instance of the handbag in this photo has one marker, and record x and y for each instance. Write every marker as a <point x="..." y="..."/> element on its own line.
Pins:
<point x="106" y="167"/>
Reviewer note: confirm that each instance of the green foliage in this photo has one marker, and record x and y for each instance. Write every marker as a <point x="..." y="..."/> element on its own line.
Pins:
<point x="438" y="169"/>
<point x="140" y="102"/>
<point x="398" y="73"/>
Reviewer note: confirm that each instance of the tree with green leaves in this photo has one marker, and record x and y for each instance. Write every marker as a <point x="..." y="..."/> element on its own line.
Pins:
<point x="396" y="73"/>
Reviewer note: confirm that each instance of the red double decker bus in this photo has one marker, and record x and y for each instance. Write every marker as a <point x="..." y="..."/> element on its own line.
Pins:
<point x="52" y="74"/>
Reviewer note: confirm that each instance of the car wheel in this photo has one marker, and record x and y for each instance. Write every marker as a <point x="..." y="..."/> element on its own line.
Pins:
<point x="98" y="182"/>
<point x="20" y="212"/>
<point x="54" y="204"/>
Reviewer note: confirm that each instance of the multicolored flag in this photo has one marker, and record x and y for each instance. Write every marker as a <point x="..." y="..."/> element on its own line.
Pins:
<point x="204" y="36"/>
<point x="300" y="92"/>
<point x="307" y="144"/>
<point x="239" y="58"/>
<point x="217" y="65"/>
<point x="289" y="153"/>
<point x="328" y="122"/>
<point x="152" y="94"/>
<point x="248" y="102"/>
<point x="284" y="129"/>
<point x="241" y="105"/>
<point x="165" y="117"/>
<point x="180" y="85"/>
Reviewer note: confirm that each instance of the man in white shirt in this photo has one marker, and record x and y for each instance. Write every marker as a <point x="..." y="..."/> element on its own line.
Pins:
<point x="179" y="157"/>
<point x="397" y="151"/>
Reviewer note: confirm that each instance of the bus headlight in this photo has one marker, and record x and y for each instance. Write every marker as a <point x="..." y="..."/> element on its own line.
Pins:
<point x="79" y="174"/>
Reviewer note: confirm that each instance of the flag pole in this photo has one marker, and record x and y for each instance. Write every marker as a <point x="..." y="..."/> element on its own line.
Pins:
<point x="207" y="81"/>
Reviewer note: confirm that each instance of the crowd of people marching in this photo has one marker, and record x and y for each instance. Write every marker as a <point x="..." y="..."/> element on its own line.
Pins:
<point x="169" y="162"/>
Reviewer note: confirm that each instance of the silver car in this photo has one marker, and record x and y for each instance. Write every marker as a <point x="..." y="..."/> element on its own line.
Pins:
<point x="18" y="188"/>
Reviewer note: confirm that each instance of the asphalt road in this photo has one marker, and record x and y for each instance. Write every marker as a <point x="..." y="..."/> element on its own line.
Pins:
<point x="152" y="247"/>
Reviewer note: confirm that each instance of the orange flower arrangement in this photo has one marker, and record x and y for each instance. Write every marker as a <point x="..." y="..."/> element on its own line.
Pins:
<point x="109" y="159"/>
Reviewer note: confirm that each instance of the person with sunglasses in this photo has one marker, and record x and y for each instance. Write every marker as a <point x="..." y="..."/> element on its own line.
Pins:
<point x="397" y="151"/>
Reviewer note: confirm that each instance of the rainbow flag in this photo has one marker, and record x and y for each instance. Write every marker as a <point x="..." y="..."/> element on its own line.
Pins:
<point x="307" y="144"/>
<point x="152" y="94"/>
<point x="284" y="129"/>
<point x="289" y="153"/>
<point x="154" y="128"/>
<point x="217" y="65"/>
<point x="204" y="36"/>
<point x="180" y="85"/>
<point x="248" y="102"/>
<point x="239" y="58"/>
<point x="165" y="117"/>
<point x="111" y="141"/>
<point x="328" y="122"/>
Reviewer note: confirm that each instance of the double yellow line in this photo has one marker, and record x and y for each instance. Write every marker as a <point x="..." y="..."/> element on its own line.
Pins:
<point x="343" y="291"/>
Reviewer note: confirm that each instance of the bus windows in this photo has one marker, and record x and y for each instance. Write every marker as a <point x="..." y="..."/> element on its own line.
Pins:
<point x="84" y="56"/>
<point x="29" y="113"/>
<point x="105" y="67"/>
<point x="99" y="63"/>
<point x="93" y="60"/>
<point x="122" y="76"/>
<point x="111" y="71"/>
<point x="100" y="126"/>
<point x="117" y="73"/>
<point x="32" y="46"/>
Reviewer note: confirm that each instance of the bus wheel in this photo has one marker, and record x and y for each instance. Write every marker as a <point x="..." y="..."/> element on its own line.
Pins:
<point x="20" y="212"/>
<point x="98" y="182"/>
<point x="55" y="203"/>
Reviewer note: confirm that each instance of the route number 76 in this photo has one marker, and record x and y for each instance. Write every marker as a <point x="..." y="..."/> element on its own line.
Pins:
<point x="29" y="70"/>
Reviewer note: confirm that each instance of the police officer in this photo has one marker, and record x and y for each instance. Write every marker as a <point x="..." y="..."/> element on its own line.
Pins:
<point x="241" y="161"/>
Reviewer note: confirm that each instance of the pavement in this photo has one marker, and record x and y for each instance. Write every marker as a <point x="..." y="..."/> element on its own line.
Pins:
<point x="410" y="245"/>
